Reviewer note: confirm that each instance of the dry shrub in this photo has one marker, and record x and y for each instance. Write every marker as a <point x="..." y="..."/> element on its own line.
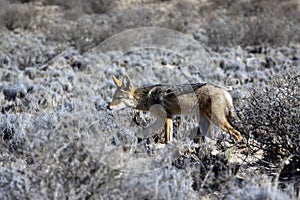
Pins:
<point x="214" y="175"/>
<point x="262" y="29"/>
<point x="22" y="1"/>
<point x="88" y="30"/>
<point x="14" y="16"/>
<point x="98" y="6"/>
<point x="271" y="118"/>
<point x="82" y="36"/>
<point x="87" y="6"/>
<point x="254" y="22"/>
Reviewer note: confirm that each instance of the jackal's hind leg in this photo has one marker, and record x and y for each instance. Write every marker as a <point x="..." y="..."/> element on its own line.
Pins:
<point x="228" y="128"/>
<point x="169" y="130"/>
<point x="203" y="130"/>
<point x="204" y="126"/>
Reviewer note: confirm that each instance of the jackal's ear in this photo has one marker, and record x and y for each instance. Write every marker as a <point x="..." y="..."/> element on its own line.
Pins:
<point x="117" y="81"/>
<point x="126" y="82"/>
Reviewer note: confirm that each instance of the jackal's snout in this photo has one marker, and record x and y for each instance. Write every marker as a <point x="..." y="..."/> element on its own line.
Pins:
<point x="116" y="105"/>
<point x="108" y="107"/>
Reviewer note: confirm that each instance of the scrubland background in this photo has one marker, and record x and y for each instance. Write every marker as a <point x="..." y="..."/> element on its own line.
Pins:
<point x="58" y="140"/>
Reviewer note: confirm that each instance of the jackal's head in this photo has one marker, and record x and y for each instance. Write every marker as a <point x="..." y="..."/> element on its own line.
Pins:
<point x="124" y="95"/>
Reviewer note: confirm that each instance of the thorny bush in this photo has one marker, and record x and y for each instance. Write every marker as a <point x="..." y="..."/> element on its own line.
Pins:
<point x="270" y="118"/>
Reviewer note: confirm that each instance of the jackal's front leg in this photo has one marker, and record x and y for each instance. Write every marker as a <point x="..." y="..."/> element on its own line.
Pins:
<point x="169" y="130"/>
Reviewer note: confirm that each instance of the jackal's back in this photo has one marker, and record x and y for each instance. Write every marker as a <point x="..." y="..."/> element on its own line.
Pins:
<point x="176" y="99"/>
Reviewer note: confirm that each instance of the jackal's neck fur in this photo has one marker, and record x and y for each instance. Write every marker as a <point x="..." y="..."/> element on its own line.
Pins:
<point x="143" y="97"/>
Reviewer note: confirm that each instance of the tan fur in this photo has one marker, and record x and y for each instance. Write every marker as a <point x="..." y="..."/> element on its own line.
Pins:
<point x="210" y="101"/>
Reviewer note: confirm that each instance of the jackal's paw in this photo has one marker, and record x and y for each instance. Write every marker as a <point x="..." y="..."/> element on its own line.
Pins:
<point x="238" y="136"/>
<point x="243" y="140"/>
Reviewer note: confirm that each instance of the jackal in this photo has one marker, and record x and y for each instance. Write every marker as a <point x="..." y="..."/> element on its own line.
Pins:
<point x="213" y="104"/>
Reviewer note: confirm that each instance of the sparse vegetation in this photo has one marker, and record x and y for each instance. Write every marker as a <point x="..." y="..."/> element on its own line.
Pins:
<point x="16" y="15"/>
<point x="249" y="23"/>
<point x="270" y="117"/>
<point x="89" y="6"/>
<point x="50" y="99"/>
